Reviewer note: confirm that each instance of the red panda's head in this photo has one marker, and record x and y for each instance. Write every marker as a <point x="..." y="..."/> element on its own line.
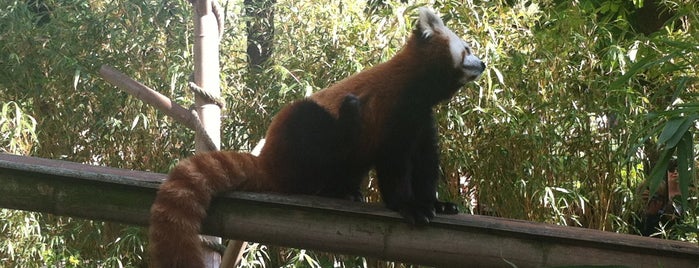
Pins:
<point x="444" y="50"/>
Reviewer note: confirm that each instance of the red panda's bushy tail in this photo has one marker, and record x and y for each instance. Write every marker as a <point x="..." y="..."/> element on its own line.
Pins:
<point x="182" y="200"/>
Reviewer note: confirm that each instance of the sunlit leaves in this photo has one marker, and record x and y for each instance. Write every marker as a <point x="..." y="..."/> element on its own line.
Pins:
<point x="17" y="129"/>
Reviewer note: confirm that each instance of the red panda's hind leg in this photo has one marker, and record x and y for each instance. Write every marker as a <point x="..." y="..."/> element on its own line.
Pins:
<point x="309" y="150"/>
<point x="349" y="123"/>
<point x="349" y="126"/>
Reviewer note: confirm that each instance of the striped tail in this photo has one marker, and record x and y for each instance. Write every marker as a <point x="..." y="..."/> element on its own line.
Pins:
<point x="182" y="200"/>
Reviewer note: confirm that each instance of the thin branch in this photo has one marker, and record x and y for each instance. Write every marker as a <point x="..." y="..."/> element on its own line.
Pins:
<point x="150" y="96"/>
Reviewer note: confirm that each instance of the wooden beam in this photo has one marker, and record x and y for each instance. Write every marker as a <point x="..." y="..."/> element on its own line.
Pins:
<point x="100" y="193"/>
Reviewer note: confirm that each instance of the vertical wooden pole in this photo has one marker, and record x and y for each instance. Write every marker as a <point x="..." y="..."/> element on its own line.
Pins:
<point x="206" y="72"/>
<point x="206" y="76"/>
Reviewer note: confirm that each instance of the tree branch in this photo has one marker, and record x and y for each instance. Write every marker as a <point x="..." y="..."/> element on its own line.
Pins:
<point x="150" y="96"/>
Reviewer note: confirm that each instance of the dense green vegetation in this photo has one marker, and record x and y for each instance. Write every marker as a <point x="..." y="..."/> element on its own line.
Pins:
<point x="579" y="102"/>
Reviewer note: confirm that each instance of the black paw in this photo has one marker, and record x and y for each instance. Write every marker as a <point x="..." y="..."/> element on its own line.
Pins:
<point x="446" y="208"/>
<point x="355" y="196"/>
<point x="418" y="215"/>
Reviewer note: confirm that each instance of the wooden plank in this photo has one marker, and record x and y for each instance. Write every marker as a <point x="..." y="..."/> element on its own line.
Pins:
<point x="101" y="193"/>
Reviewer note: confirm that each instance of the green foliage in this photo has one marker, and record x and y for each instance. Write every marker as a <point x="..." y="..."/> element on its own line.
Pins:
<point x="49" y="70"/>
<point x="31" y="239"/>
<point x="546" y="135"/>
<point x="575" y="108"/>
<point x="19" y="231"/>
<point x="17" y="129"/>
<point x="679" y="118"/>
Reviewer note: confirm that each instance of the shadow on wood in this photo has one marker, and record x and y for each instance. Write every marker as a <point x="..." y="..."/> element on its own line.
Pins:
<point x="100" y="193"/>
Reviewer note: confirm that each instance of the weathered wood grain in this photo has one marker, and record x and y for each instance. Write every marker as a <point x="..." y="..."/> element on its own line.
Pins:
<point x="109" y="194"/>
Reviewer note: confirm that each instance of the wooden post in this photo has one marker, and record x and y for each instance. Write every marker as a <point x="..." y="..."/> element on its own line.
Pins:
<point x="206" y="76"/>
<point x="206" y="71"/>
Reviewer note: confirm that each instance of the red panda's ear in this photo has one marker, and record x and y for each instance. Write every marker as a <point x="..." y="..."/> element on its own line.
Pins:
<point x="427" y="23"/>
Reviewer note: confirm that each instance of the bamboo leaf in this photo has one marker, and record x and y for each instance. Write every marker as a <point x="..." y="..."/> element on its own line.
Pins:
<point x="76" y="78"/>
<point x="675" y="130"/>
<point x="685" y="158"/>
<point x="641" y="65"/>
<point x="658" y="173"/>
<point x="670" y="130"/>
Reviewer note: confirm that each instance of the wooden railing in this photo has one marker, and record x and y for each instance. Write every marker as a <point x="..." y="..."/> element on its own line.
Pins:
<point x="109" y="194"/>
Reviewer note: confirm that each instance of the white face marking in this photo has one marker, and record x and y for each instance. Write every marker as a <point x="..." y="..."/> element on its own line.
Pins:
<point x="456" y="46"/>
<point x="471" y="65"/>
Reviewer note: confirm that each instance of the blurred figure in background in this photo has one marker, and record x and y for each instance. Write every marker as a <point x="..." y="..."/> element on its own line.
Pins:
<point x="664" y="208"/>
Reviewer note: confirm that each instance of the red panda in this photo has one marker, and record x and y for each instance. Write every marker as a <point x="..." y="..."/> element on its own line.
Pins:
<point x="325" y="145"/>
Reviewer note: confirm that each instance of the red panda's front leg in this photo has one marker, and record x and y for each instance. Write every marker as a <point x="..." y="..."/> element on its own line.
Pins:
<point x="394" y="181"/>
<point x="425" y="171"/>
<point x="399" y="162"/>
<point x="425" y="164"/>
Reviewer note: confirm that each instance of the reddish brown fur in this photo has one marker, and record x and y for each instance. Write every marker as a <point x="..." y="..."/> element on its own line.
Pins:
<point x="380" y="87"/>
<point x="325" y="145"/>
<point x="181" y="203"/>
